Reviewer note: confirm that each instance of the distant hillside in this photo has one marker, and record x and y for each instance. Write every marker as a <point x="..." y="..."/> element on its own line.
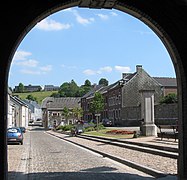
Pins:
<point x="39" y="95"/>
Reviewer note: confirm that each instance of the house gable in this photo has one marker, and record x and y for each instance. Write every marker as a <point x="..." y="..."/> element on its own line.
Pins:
<point x="140" y="81"/>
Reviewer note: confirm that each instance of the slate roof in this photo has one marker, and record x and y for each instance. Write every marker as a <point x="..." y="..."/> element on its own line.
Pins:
<point x="18" y="101"/>
<point x="92" y="91"/>
<point x="166" y="81"/>
<point x="32" y="104"/>
<point x="60" y="103"/>
<point x="103" y="89"/>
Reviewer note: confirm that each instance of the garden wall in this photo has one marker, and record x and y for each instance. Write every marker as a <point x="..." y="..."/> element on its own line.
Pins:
<point x="164" y="114"/>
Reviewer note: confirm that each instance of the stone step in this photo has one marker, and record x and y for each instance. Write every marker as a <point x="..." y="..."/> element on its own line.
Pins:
<point x="148" y="148"/>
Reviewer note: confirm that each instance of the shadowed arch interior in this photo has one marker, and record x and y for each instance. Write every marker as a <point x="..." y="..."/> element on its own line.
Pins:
<point x="167" y="19"/>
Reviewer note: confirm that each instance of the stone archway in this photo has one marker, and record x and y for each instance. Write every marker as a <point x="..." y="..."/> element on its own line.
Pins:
<point x="166" y="18"/>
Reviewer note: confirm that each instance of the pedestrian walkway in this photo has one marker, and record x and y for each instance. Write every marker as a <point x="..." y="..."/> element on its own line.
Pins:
<point x="155" y="141"/>
<point x="150" y="140"/>
<point x="147" y="162"/>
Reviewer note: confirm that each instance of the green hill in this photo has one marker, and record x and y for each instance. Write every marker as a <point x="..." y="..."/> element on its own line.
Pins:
<point x="39" y="95"/>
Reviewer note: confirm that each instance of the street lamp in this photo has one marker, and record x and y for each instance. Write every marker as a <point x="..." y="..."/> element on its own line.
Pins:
<point x="97" y="118"/>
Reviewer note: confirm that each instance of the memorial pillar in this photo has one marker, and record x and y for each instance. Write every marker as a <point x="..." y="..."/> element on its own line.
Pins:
<point x="148" y="127"/>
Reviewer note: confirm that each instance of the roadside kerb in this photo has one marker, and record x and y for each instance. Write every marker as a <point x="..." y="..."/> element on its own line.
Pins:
<point x="134" y="146"/>
<point x="164" y="148"/>
<point x="147" y="170"/>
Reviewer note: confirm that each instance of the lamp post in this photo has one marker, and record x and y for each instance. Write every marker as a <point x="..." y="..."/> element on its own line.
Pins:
<point x="97" y="118"/>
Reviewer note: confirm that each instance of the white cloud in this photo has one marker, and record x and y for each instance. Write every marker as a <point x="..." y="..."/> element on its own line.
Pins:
<point x="37" y="70"/>
<point x="46" y="68"/>
<point x="22" y="60"/>
<point x="21" y="55"/>
<point x="51" y="25"/>
<point x="89" y="72"/>
<point x="106" y="69"/>
<point x="28" y="63"/>
<point x="79" y="18"/>
<point x="32" y="72"/>
<point x="103" y="16"/>
<point x="68" y="67"/>
<point x="84" y="21"/>
<point x="100" y="71"/>
<point x="114" y="14"/>
<point x="122" y="69"/>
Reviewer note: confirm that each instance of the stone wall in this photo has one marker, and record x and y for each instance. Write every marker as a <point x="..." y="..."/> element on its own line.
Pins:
<point x="131" y="116"/>
<point x="164" y="114"/>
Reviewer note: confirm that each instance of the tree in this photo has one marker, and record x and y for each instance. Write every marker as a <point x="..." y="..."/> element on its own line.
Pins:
<point x="63" y="89"/>
<point x="87" y="83"/>
<point x="77" y="112"/>
<point x="31" y="97"/>
<point x="170" y="98"/>
<point x="68" y="89"/>
<point x="20" y="88"/>
<point x="73" y="88"/>
<point x="97" y="105"/>
<point x="103" y="81"/>
<point x="55" y="95"/>
<point x="66" y="113"/>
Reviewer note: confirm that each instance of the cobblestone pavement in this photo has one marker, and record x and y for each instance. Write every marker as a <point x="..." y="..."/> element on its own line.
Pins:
<point x="43" y="156"/>
<point x="160" y="163"/>
<point x="17" y="156"/>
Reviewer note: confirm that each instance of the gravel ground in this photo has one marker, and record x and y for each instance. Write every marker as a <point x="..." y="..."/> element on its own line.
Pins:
<point x="160" y="163"/>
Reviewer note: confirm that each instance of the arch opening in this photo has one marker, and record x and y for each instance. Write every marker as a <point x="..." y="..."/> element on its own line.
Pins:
<point x="157" y="29"/>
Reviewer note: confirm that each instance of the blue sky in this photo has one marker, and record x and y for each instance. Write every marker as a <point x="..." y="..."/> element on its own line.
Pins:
<point x="83" y="44"/>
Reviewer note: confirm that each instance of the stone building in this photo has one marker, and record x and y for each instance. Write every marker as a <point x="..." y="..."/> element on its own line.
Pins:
<point x="169" y="85"/>
<point x="52" y="110"/>
<point x="123" y="97"/>
<point x="29" y="88"/>
<point x="51" y="88"/>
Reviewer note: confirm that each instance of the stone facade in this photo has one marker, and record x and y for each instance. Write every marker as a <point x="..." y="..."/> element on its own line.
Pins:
<point x="122" y="95"/>
<point x="140" y="81"/>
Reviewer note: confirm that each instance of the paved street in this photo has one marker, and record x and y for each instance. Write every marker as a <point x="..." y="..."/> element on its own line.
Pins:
<point x="43" y="156"/>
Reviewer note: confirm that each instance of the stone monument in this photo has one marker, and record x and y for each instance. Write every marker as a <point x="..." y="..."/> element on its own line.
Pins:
<point x="148" y="127"/>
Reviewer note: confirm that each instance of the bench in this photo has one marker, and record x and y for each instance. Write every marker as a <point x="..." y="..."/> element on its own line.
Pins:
<point x="165" y="131"/>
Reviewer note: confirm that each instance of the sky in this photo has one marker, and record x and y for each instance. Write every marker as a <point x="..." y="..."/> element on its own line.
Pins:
<point x="80" y="44"/>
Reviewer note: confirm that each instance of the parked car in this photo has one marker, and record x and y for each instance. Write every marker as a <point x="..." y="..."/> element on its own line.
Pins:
<point x="23" y="129"/>
<point x="106" y="122"/>
<point x="14" y="135"/>
<point x="50" y="127"/>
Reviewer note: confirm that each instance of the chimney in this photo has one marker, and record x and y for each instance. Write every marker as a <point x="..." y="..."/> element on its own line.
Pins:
<point x="138" y="68"/>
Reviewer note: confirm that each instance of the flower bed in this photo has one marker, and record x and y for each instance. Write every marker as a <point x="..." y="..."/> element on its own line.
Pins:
<point x="115" y="131"/>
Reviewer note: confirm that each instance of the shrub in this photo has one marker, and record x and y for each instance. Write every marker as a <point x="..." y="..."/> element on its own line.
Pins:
<point x="87" y="129"/>
<point x="66" y="127"/>
<point x="100" y="127"/>
<point x="170" y="98"/>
